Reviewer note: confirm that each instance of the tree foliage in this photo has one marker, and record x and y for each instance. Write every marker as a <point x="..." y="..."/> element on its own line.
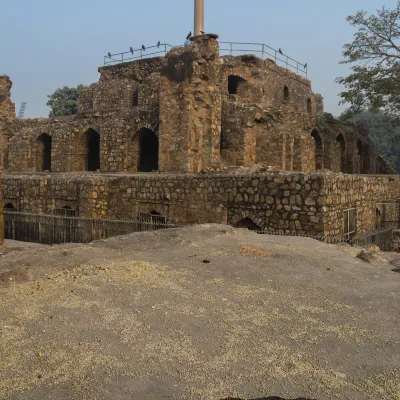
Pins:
<point x="374" y="83"/>
<point x="63" y="101"/>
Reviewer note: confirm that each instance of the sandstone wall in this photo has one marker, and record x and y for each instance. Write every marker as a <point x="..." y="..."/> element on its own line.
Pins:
<point x="190" y="108"/>
<point x="293" y="203"/>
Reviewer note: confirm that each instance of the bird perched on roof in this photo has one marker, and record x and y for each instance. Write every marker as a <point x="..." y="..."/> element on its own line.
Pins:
<point x="109" y="54"/>
<point x="143" y="47"/>
<point x="189" y="35"/>
<point x="202" y="32"/>
<point x="305" y="66"/>
<point x="131" y="49"/>
<point x="158" y="44"/>
<point x="280" y="51"/>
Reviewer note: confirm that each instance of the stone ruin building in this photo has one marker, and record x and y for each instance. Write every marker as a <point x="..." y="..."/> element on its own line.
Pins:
<point x="196" y="137"/>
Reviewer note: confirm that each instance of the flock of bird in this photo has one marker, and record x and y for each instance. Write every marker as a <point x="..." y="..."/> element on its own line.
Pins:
<point x="187" y="38"/>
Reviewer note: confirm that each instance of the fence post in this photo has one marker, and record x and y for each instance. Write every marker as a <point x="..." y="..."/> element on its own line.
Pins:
<point x="263" y="51"/>
<point x="230" y="46"/>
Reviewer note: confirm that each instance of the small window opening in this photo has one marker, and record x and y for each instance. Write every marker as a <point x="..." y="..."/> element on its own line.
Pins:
<point x="286" y="94"/>
<point x="234" y="84"/>
<point x="309" y="106"/>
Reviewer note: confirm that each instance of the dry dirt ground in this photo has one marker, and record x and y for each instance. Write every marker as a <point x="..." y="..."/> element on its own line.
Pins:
<point x="144" y="317"/>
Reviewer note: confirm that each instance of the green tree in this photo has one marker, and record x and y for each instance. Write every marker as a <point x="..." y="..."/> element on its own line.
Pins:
<point x="63" y="101"/>
<point x="374" y="82"/>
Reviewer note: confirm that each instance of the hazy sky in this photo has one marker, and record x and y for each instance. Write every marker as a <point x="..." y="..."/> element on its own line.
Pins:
<point x="46" y="44"/>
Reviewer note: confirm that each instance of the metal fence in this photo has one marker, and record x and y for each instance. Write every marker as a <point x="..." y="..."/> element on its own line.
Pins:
<point x="226" y="48"/>
<point x="56" y="229"/>
<point x="159" y="50"/>
<point x="264" y="51"/>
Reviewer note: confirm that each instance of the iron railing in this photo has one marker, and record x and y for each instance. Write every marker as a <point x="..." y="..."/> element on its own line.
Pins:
<point x="227" y="48"/>
<point x="56" y="229"/>
<point x="264" y="52"/>
<point x="159" y="50"/>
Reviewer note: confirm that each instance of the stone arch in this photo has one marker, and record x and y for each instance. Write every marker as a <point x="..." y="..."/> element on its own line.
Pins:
<point x="362" y="150"/>
<point x="343" y="148"/>
<point x="145" y="142"/>
<point x="88" y="147"/>
<point x="43" y="152"/>
<point x="239" y="216"/>
<point x="247" y="223"/>
<point x="319" y="149"/>
<point x="286" y="93"/>
<point x="9" y="207"/>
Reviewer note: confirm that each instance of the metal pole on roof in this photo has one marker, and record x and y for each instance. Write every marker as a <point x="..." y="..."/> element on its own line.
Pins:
<point x="198" y="17"/>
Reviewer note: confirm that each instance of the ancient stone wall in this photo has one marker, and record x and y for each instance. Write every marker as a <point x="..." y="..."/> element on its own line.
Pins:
<point x="193" y="111"/>
<point x="310" y="203"/>
<point x="364" y="193"/>
<point x="190" y="108"/>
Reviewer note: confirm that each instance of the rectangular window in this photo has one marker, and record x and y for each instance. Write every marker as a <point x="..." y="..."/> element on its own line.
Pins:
<point x="349" y="223"/>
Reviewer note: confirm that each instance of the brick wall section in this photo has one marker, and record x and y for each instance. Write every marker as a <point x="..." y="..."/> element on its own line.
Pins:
<point x="310" y="203"/>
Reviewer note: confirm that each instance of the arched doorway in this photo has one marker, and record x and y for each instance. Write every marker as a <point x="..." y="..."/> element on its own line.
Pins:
<point x="248" y="223"/>
<point x="43" y="155"/>
<point x="319" y="150"/>
<point x="92" y="150"/>
<point x="341" y="141"/>
<point x="9" y="207"/>
<point x="234" y="84"/>
<point x="148" y="151"/>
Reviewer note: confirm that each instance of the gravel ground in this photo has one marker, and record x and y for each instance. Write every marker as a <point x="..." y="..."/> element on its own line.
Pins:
<point x="205" y="312"/>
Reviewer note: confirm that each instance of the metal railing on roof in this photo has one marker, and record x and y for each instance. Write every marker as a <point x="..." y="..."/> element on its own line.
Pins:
<point x="226" y="48"/>
<point x="159" y="50"/>
<point x="265" y="52"/>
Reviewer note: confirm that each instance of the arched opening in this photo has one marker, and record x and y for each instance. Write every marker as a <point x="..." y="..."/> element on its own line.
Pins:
<point x="93" y="150"/>
<point x="319" y="150"/>
<point x="43" y="143"/>
<point x="363" y="153"/>
<point x="148" y="151"/>
<point x="154" y="213"/>
<point x="9" y="207"/>
<point x="341" y="141"/>
<point x="248" y="223"/>
<point x="286" y="93"/>
<point x="234" y="84"/>
<point x="309" y="106"/>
